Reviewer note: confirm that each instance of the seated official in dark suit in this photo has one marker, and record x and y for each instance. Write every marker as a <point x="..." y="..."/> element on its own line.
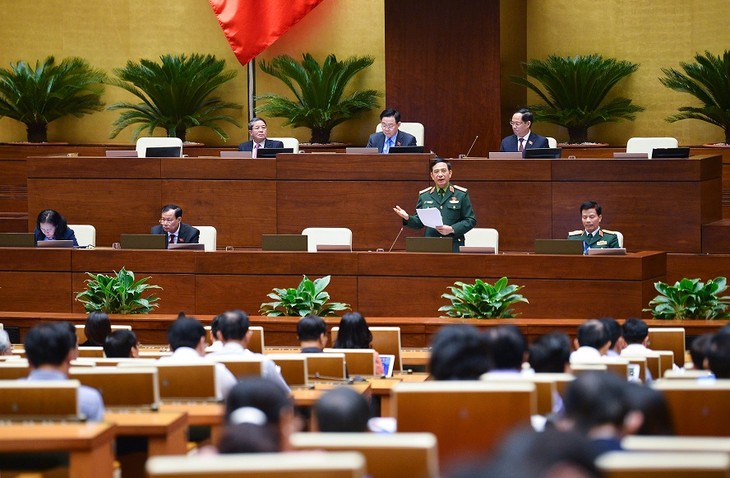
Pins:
<point x="390" y="136"/>
<point x="453" y="202"/>
<point x="257" y="132"/>
<point x="592" y="235"/>
<point x="172" y="225"/>
<point x="523" y="138"/>
<point x="51" y="226"/>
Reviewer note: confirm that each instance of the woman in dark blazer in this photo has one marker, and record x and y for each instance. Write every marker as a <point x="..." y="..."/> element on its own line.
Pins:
<point x="52" y="226"/>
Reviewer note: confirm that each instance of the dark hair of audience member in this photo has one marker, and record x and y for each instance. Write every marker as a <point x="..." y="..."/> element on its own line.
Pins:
<point x="614" y="330"/>
<point x="525" y="453"/>
<point x="119" y="344"/>
<point x="354" y="332"/>
<point x="311" y="327"/>
<point x="507" y="346"/>
<point x="459" y="352"/>
<point x="595" y="399"/>
<point x="656" y="418"/>
<point x="185" y="332"/>
<point x="718" y="355"/>
<point x="593" y="333"/>
<point x="49" y="344"/>
<point x="698" y="350"/>
<point x="635" y="330"/>
<point x="233" y="324"/>
<point x="550" y="353"/>
<point x="343" y="410"/>
<point x="258" y="417"/>
<point x="97" y="328"/>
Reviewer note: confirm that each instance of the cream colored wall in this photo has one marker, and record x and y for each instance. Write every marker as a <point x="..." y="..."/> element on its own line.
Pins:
<point x="108" y="33"/>
<point x="655" y="34"/>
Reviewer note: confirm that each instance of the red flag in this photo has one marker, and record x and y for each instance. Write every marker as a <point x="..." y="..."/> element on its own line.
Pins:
<point x="252" y="25"/>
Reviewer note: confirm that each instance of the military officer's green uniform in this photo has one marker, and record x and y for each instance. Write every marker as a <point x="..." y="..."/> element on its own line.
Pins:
<point x="600" y="239"/>
<point x="456" y="211"/>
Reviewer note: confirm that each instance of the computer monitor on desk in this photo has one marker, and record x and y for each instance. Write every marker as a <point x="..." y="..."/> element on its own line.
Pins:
<point x="542" y="153"/>
<point x="670" y="153"/>
<point x="405" y="149"/>
<point x="272" y="152"/>
<point x="17" y="239"/>
<point x="163" y="152"/>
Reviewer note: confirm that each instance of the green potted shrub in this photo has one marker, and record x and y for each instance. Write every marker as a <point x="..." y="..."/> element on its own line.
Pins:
<point x="320" y="103"/>
<point x="690" y="299"/>
<point x="176" y="94"/>
<point x="481" y="300"/>
<point x="40" y="95"/>
<point x="118" y="294"/>
<point x="309" y="297"/>
<point x="708" y="80"/>
<point x="574" y="89"/>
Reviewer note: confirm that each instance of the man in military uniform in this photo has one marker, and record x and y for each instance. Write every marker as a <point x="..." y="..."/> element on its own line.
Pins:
<point x="453" y="201"/>
<point x="592" y="235"/>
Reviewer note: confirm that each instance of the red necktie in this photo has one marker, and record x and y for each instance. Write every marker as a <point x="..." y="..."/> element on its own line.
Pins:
<point x="172" y="238"/>
<point x="521" y="148"/>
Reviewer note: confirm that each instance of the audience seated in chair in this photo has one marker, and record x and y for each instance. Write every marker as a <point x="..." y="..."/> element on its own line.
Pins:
<point x="592" y="342"/>
<point x="312" y="334"/>
<point x="121" y="344"/>
<point x="97" y="328"/>
<point x="718" y="355"/>
<point x="341" y="410"/>
<point x="459" y="352"/>
<point x="550" y="353"/>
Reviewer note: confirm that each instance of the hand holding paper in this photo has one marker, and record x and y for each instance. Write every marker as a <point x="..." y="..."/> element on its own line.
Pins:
<point x="430" y="217"/>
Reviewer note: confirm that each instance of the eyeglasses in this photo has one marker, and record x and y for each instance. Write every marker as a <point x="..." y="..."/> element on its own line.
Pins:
<point x="258" y="128"/>
<point x="516" y="123"/>
<point x="388" y="125"/>
<point x="167" y="221"/>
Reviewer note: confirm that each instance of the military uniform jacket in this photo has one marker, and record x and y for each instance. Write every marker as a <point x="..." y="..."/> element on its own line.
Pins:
<point x="603" y="239"/>
<point x="456" y="211"/>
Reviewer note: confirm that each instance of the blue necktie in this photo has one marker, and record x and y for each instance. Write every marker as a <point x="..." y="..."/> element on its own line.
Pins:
<point x="388" y="144"/>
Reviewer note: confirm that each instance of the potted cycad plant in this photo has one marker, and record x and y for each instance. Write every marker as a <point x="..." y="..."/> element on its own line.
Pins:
<point x="309" y="297"/>
<point x="320" y="101"/>
<point x="708" y="80"/>
<point x="574" y="90"/>
<point x="40" y="95"/>
<point x="482" y="300"/>
<point x="176" y="94"/>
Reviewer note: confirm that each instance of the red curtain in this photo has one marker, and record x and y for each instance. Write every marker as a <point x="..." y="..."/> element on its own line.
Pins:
<point x="252" y="25"/>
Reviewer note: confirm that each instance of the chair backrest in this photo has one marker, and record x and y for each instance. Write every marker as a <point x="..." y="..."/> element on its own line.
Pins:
<point x="416" y="129"/>
<point x="156" y="142"/>
<point x="326" y="366"/>
<point x="300" y="464"/>
<point x="39" y="400"/>
<point x="293" y="368"/>
<point x="194" y="381"/>
<point x="386" y="341"/>
<point x="635" y="464"/>
<point x="85" y="234"/>
<point x="292" y="143"/>
<point x="675" y="443"/>
<point x="647" y="145"/>
<point x="617" y="365"/>
<point x="683" y="374"/>
<point x="81" y="331"/>
<point x="699" y="408"/>
<point x="545" y="387"/>
<point x="91" y="351"/>
<point x="386" y="455"/>
<point x="458" y="413"/>
<point x="482" y="237"/>
<point x="552" y="142"/>
<point x="669" y="338"/>
<point x="619" y="237"/>
<point x="208" y="237"/>
<point x="357" y="361"/>
<point x="327" y="236"/>
<point x="241" y="365"/>
<point x="125" y="387"/>
<point x="14" y="369"/>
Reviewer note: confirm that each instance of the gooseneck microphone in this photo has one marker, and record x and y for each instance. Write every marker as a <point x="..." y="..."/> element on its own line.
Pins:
<point x="472" y="146"/>
<point x="396" y="239"/>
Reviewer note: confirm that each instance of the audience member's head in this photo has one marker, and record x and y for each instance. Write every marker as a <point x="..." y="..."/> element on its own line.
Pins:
<point x="187" y="332"/>
<point x="97" y="328"/>
<point x="51" y="345"/>
<point x="698" y="350"/>
<point x="459" y="352"/>
<point x="550" y="353"/>
<point x="233" y="325"/>
<point x="507" y="346"/>
<point x="121" y="344"/>
<point x="529" y="454"/>
<point x="259" y="418"/>
<point x="656" y="418"/>
<point x="635" y="331"/>
<point x="312" y="332"/>
<point x="592" y="333"/>
<point x="718" y="355"/>
<point x="214" y="327"/>
<point x="52" y="224"/>
<point x="354" y="332"/>
<point x="6" y="348"/>
<point x="615" y="333"/>
<point x="342" y="409"/>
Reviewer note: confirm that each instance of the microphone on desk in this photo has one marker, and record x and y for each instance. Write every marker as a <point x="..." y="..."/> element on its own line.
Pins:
<point x="396" y="239"/>
<point x="470" y="147"/>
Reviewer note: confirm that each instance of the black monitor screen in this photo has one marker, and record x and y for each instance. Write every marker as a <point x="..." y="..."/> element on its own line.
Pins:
<point x="542" y="153"/>
<point x="405" y="149"/>
<point x="272" y="152"/>
<point x="163" y="152"/>
<point x="658" y="153"/>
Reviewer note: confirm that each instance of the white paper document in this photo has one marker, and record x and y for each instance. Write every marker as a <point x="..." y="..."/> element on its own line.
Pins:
<point x="430" y="217"/>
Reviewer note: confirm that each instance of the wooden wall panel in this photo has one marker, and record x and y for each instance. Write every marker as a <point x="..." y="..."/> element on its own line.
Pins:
<point x="435" y="79"/>
<point x="46" y="291"/>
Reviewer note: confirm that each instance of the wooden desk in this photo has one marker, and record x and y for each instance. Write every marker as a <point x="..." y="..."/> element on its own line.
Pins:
<point x="307" y="397"/>
<point x="165" y="431"/>
<point x="382" y="387"/>
<point x="89" y="444"/>
<point x="200" y="414"/>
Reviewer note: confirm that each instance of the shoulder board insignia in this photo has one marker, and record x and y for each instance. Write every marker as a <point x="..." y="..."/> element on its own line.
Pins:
<point x="425" y="190"/>
<point x="460" y="188"/>
<point x="576" y="233"/>
<point x="609" y="231"/>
